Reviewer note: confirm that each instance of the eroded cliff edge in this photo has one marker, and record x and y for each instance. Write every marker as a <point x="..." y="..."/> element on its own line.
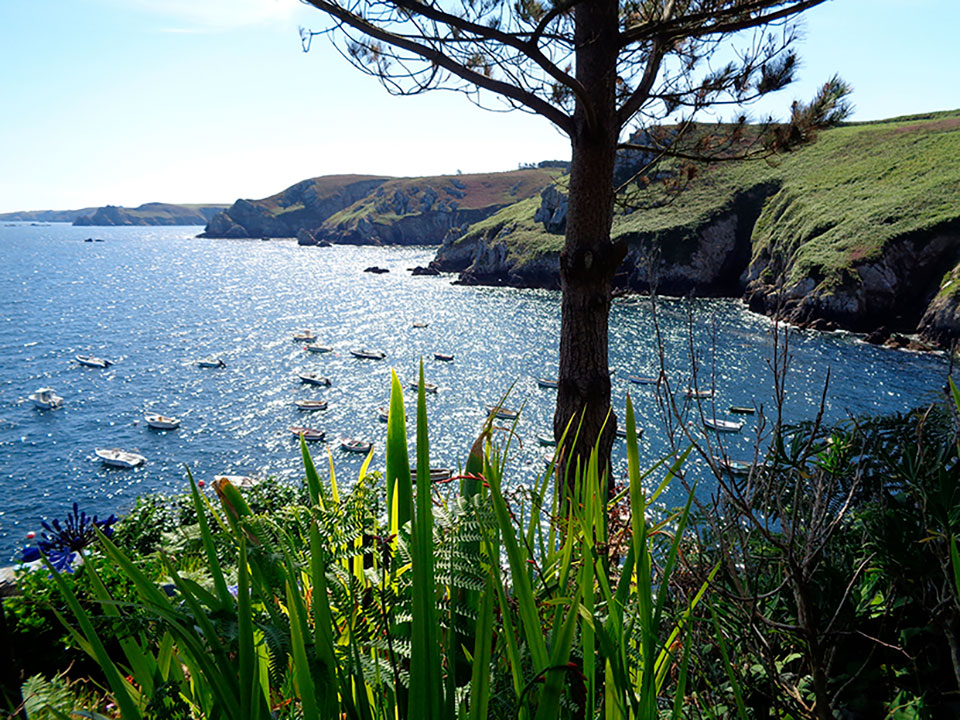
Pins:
<point x="860" y="230"/>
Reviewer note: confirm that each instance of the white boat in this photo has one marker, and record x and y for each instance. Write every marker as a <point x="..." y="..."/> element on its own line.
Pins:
<point x="161" y="422"/>
<point x="311" y="404"/>
<point x="314" y="379"/>
<point x="723" y="425"/>
<point x="503" y="413"/>
<point x="308" y="433"/>
<point x="91" y="361"/>
<point x="368" y="354"/>
<point x="45" y="399"/>
<point x="443" y="357"/>
<point x="115" y="457"/>
<point x="420" y="324"/>
<point x="355" y="446"/>
<point x="241" y="481"/>
<point x="546" y="440"/>
<point x="427" y="386"/>
<point x="383" y="413"/>
<point x="304" y="336"/>
<point x="695" y="394"/>
<point x="211" y="363"/>
<point x="318" y="348"/>
<point x="622" y="432"/>
<point x="548" y="458"/>
<point x="547" y="383"/>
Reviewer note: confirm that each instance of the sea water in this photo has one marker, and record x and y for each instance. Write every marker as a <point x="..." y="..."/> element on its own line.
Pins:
<point x="155" y="300"/>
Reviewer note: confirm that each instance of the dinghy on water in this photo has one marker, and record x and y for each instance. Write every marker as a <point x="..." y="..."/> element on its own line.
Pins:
<point x="311" y="404"/>
<point x="161" y="422"/>
<point x="503" y="413"/>
<point x="355" y="446"/>
<point x="45" y="399"/>
<point x="546" y="440"/>
<point x="695" y="394"/>
<point x="314" y="379"/>
<point x="211" y="363"/>
<point x="115" y="457"/>
<point x="723" y="425"/>
<point x="427" y="386"/>
<point x="92" y="361"/>
<point x="443" y="357"/>
<point x="308" y="433"/>
<point x="318" y="348"/>
<point x="304" y="336"/>
<point x="742" y="410"/>
<point x="368" y="354"/>
<point x="643" y="379"/>
<point x="383" y="413"/>
<point x="548" y="383"/>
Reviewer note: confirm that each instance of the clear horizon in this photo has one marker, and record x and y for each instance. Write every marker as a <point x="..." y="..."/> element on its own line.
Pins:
<point x="125" y="103"/>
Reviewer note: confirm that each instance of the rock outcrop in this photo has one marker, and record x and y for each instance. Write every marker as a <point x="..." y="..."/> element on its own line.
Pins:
<point x="303" y="206"/>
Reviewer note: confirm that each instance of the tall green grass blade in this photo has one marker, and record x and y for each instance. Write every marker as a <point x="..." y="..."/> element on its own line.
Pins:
<point x="314" y="486"/>
<point x="323" y="624"/>
<point x="399" y="486"/>
<point x="556" y="678"/>
<point x="482" y="646"/>
<point x="425" y="661"/>
<point x="246" y="654"/>
<point x="722" y="646"/>
<point x="302" y="678"/>
<point x="128" y="708"/>
<point x="213" y="562"/>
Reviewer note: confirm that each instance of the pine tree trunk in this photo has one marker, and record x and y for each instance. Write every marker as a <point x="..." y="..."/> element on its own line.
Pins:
<point x="588" y="260"/>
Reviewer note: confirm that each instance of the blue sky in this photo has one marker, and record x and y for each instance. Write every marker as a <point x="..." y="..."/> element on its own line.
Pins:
<point x="132" y="101"/>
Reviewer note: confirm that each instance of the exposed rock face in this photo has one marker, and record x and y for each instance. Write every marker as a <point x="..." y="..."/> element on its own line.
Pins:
<point x="421" y="228"/>
<point x="302" y="206"/>
<point x="892" y="291"/>
<point x="940" y="323"/>
<point x="149" y="214"/>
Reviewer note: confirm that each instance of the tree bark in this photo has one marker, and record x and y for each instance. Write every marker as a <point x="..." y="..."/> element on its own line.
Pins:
<point x="589" y="260"/>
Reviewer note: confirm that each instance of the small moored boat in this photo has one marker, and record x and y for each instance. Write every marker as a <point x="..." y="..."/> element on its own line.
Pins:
<point x="45" y="399"/>
<point x="546" y="440"/>
<point x="427" y="386"/>
<point x="443" y="357"/>
<point x="643" y="379"/>
<point x="548" y="383"/>
<point x="161" y="422"/>
<point x="368" y="354"/>
<point x="314" y="379"/>
<point x="383" y="413"/>
<point x="311" y="404"/>
<point x="420" y="324"/>
<point x="437" y="474"/>
<point x="308" y="433"/>
<point x="91" y="361"/>
<point x="211" y="363"/>
<point x="304" y="336"/>
<point x="695" y="394"/>
<point x="503" y="413"/>
<point x="742" y="410"/>
<point x="318" y="348"/>
<point x="723" y="425"/>
<point x="115" y="457"/>
<point x="241" y="481"/>
<point x="355" y="446"/>
<point x="733" y="467"/>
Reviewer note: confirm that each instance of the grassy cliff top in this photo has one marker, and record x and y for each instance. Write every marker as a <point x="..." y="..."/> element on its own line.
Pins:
<point x="840" y="199"/>
<point x="398" y="197"/>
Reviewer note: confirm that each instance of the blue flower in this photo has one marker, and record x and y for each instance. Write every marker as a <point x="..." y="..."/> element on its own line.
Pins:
<point x="61" y="542"/>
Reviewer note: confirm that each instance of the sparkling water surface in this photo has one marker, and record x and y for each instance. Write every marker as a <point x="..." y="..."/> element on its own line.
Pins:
<point x="155" y="300"/>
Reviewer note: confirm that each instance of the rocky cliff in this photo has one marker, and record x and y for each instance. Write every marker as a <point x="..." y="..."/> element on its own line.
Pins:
<point x="302" y="206"/>
<point x="150" y="214"/>
<point x="423" y="210"/>
<point x="854" y="231"/>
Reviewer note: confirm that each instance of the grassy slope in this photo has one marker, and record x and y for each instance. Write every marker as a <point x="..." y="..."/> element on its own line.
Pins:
<point x="469" y="192"/>
<point x="325" y="186"/>
<point x="842" y="198"/>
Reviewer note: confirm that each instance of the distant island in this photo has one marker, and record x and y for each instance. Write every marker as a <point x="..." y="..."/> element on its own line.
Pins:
<point x="858" y="230"/>
<point x="147" y="214"/>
